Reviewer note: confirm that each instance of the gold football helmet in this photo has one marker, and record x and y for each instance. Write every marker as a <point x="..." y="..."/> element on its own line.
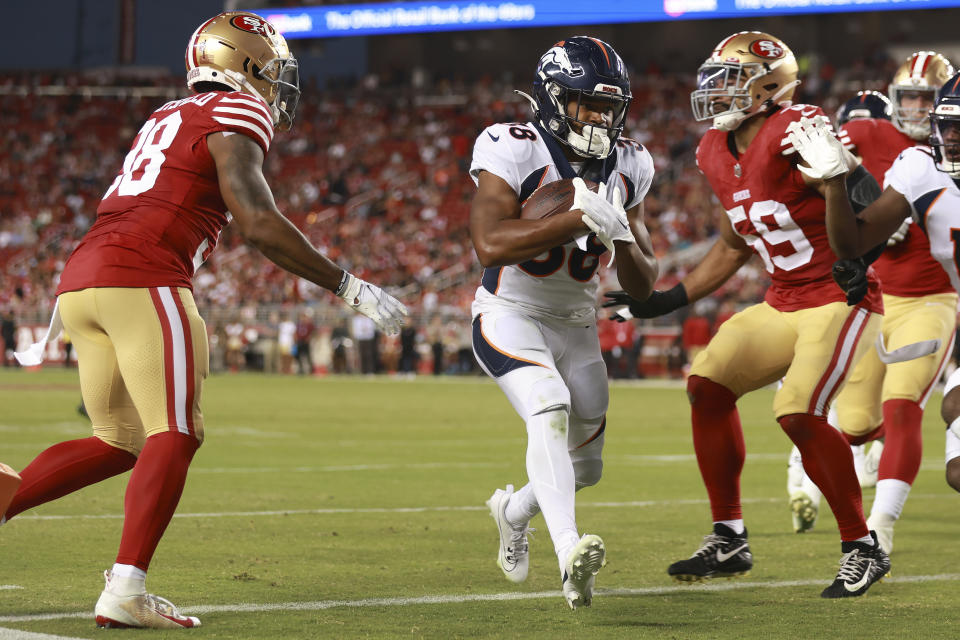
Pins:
<point x="918" y="80"/>
<point x="246" y="53"/>
<point x="747" y="73"/>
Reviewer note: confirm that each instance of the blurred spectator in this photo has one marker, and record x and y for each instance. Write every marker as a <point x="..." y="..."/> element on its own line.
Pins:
<point x="617" y="347"/>
<point x="8" y="333"/>
<point x="304" y="334"/>
<point x="365" y="333"/>
<point x="408" y="349"/>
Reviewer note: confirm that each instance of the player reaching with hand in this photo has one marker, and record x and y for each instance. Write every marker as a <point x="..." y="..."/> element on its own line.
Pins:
<point x="125" y="292"/>
<point x="922" y="186"/>
<point x="534" y="318"/>
<point x="803" y="332"/>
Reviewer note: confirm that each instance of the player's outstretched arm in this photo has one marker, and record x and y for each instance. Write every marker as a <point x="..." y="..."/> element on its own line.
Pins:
<point x="724" y="258"/>
<point x="501" y="238"/>
<point x="245" y="191"/>
<point x="249" y="199"/>
<point x="637" y="267"/>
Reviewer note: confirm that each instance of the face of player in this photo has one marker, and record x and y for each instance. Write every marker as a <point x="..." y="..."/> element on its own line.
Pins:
<point x="590" y="110"/>
<point x="916" y="105"/>
<point x="950" y="132"/>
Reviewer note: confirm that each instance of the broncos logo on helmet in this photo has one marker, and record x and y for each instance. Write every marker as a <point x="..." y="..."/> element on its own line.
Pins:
<point x="571" y="72"/>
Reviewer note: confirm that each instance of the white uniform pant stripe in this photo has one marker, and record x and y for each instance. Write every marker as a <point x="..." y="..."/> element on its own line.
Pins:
<point x="847" y="349"/>
<point x="179" y="359"/>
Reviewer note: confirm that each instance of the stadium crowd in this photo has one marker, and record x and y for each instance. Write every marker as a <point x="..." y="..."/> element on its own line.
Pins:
<point x="375" y="175"/>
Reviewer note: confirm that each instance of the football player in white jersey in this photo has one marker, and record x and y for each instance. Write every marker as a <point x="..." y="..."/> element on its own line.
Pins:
<point x="921" y="184"/>
<point x="534" y="316"/>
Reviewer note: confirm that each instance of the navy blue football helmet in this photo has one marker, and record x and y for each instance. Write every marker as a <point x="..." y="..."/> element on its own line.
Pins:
<point x="945" y="128"/>
<point x="866" y="104"/>
<point x="577" y="70"/>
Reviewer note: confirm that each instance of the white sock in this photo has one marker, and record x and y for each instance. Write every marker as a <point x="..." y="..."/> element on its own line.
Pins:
<point x="890" y="498"/>
<point x="867" y="539"/>
<point x="551" y="475"/>
<point x="736" y="525"/>
<point x="127" y="580"/>
<point x="522" y="506"/>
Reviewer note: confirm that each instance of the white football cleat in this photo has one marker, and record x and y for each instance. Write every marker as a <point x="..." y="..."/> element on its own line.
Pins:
<point x="882" y="524"/>
<point x="142" y="610"/>
<point x="513" y="554"/>
<point x="586" y="559"/>
<point x="871" y="465"/>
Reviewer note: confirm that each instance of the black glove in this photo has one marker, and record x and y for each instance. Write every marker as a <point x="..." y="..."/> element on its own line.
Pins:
<point x="851" y="275"/>
<point x="659" y="303"/>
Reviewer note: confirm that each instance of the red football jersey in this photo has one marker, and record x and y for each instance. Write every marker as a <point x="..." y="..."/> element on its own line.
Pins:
<point x="776" y="213"/>
<point x="162" y="215"/>
<point x="906" y="269"/>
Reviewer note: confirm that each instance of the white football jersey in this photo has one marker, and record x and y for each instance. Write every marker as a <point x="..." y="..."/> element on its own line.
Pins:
<point x="560" y="283"/>
<point x="935" y="200"/>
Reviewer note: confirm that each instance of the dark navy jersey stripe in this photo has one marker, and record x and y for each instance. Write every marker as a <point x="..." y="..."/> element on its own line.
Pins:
<point x="490" y="279"/>
<point x="922" y="206"/>
<point x="530" y="183"/>
<point x="631" y="190"/>
<point x="496" y="362"/>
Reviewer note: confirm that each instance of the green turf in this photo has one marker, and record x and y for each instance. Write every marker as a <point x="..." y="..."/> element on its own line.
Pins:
<point x="340" y="457"/>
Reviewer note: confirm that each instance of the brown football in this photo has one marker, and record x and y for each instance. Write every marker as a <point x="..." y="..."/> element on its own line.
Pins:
<point x="551" y="199"/>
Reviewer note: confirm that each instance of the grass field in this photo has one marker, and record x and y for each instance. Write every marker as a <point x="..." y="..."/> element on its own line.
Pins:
<point x="353" y="508"/>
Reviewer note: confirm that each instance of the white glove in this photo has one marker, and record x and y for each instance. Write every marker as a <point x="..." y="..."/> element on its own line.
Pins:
<point x="900" y="234"/>
<point x="607" y="220"/>
<point x="818" y="147"/>
<point x="373" y="302"/>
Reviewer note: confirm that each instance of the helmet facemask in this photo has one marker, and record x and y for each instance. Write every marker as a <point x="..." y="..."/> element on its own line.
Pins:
<point x="945" y="136"/>
<point x="594" y="140"/>
<point x="724" y="92"/>
<point x="913" y="120"/>
<point x="284" y="75"/>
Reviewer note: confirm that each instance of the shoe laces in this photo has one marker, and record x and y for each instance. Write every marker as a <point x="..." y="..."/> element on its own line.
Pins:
<point x="162" y="606"/>
<point x="519" y="543"/>
<point x="851" y="566"/>
<point x="710" y="543"/>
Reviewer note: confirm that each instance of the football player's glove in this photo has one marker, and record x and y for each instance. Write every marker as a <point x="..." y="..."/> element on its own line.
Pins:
<point x="660" y="303"/>
<point x="819" y="148"/>
<point x="608" y="221"/>
<point x="900" y="234"/>
<point x="851" y="275"/>
<point x="373" y="302"/>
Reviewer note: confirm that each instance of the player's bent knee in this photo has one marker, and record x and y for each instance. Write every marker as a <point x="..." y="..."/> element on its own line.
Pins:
<point x="950" y="407"/>
<point x="125" y="440"/>
<point x="953" y="474"/>
<point x="546" y="395"/>
<point x="587" y="472"/>
<point x="709" y="395"/>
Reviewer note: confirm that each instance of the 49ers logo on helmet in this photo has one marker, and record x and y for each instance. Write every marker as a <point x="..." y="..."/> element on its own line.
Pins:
<point x="253" y="24"/>
<point x="766" y="49"/>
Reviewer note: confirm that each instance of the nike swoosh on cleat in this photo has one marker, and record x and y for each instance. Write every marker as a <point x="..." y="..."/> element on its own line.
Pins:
<point x="856" y="586"/>
<point x="723" y="557"/>
<point x="493" y="137"/>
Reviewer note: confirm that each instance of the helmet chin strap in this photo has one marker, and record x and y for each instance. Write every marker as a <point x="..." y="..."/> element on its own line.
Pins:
<point x="585" y="146"/>
<point x="729" y="121"/>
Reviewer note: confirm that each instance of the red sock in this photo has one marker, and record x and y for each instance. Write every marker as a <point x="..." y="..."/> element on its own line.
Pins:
<point x="829" y="463"/>
<point x="153" y="493"/>
<point x="718" y="443"/>
<point x="65" y="468"/>
<point x="903" y="445"/>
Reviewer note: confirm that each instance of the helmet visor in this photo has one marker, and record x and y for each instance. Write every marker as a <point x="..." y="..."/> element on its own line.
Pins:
<point x="284" y="74"/>
<point x="721" y="89"/>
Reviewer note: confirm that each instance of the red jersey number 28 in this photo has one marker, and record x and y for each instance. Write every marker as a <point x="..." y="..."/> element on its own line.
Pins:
<point x="142" y="165"/>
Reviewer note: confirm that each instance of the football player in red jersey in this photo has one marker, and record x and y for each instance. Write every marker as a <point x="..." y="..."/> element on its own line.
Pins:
<point x="804" y="331"/>
<point x="880" y="400"/>
<point x="125" y="293"/>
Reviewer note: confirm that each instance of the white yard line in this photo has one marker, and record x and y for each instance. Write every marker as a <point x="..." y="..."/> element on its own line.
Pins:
<point x="9" y="586"/>
<point x="16" y="634"/>
<point x="361" y="510"/>
<point x="479" y="597"/>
